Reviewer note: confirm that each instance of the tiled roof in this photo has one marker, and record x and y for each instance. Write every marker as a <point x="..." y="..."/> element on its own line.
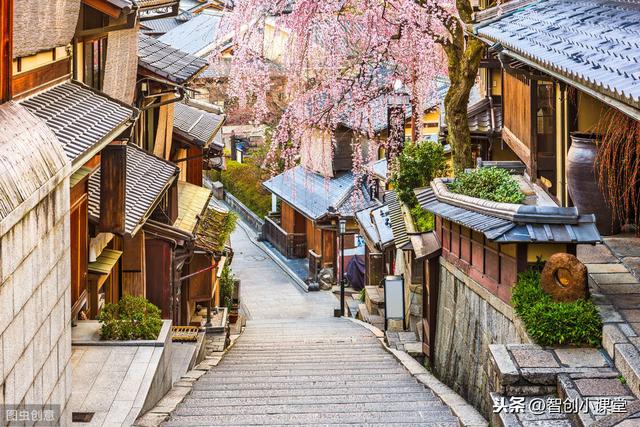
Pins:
<point x="192" y="201"/>
<point x="197" y="125"/>
<point x="153" y="4"/>
<point x="316" y="196"/>
<point x="376" y="224"/>
<point x="398" y="226"/>
<point x="148" y="178"/>
<point x="195" y="36"/>
<point x="82" y="118"/>
<point x="592" y="42"/>
<point x="484" y="116"/>
<point x="166" y="61"/>
<point x="214" y="229"/>
<point x="380" y="168"/>
<point x="162" y="25"/>
<point x="576" y="229"/>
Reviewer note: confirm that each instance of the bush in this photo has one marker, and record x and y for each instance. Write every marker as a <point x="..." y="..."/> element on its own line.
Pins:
<point x="489" y="184"/>
<point x="132" y="318"/>
<point x="551" y="323"/>
<point x="244" y="181"/>
<point x="415" y="167"/>
<point x="226" y="287"/>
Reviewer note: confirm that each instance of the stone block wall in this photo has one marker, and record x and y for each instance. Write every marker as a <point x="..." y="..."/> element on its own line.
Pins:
<point x="35" y="302"/>
<point x="469" y="320"/>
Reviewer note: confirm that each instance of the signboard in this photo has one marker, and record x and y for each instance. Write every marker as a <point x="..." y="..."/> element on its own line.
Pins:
<point x="394" y="298"/>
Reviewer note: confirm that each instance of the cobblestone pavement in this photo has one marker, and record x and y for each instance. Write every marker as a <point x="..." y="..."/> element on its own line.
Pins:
<point x="297" y="365"/>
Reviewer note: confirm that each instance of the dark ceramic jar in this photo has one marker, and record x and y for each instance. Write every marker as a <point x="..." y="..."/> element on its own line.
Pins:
<point x="582" y="182"/>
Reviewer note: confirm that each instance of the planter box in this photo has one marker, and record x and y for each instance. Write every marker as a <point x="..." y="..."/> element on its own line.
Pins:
<point x="87" y="332"/>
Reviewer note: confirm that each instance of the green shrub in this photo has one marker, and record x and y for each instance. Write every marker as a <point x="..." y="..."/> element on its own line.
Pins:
<point x="244" y="181"/>
<point x="226" y="287"/>
<point x="551" y="323"/>
<point x="132" y="318"/>
<point x="415" y="167"/>
<point x="490" y="184"/>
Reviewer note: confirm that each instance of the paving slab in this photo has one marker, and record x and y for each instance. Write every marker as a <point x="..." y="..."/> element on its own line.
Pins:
<point x="601" y="387"/>
<point x="581" y="357"/>
<point x="623" y="245"/>
<point x="595" y="254"/>
<point x="614" y="278"/>
<point x="606" y="268"/>
<point x="534" y="358"/>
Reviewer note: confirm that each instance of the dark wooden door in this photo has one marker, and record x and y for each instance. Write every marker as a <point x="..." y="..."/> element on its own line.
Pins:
<point x="158" y="274"/>
<point x="430" y="288"/>
<point x="79" y="243"/>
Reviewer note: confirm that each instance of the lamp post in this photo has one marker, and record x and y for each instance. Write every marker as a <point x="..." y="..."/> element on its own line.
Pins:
<point x="342" y="229"/>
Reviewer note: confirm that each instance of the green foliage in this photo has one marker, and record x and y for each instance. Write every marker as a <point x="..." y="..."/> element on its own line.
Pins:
<point x="489" y="184"/>
<point x="228" y="225"/>
<point x="415" y="167"/>
<point x="226" y="287"/>
<point x="361" y="295"/>
<point x="555" y="323"/>
<point x="132" y="318"/>
<point x="244" y="181"/>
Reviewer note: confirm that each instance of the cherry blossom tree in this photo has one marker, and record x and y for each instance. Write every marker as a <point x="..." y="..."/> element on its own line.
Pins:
<point x="340" y="57"/>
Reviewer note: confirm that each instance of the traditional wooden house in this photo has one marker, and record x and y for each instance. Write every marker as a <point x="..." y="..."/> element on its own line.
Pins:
<point x="176" y="244"/>
<point x="197" y="135"/>
<point x="554" y="83"/>
<point x="309" y="207"/>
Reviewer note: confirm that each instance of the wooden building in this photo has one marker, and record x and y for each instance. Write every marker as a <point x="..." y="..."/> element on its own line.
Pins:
<point x="490" y="242"/>
<point x="552" y="83"/>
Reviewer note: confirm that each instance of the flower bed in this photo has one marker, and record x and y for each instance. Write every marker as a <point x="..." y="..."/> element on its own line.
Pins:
<point x="551" y="323"/>
<point x="493" y="184"/>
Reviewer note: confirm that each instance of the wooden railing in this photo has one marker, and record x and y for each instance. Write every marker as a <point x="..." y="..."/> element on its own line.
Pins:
<point x="291" y="245"/>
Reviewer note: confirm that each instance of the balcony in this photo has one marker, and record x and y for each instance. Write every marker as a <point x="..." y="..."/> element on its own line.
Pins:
<point x="291" y="245"/>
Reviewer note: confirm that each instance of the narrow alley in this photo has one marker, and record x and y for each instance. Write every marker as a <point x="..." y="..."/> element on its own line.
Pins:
<point x="297" y="365"/>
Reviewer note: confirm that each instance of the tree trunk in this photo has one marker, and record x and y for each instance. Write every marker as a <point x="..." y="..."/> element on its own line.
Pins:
<point x="463" y="63"/>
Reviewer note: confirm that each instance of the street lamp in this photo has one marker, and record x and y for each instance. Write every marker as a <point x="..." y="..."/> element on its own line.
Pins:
<point x="342" y="229"/>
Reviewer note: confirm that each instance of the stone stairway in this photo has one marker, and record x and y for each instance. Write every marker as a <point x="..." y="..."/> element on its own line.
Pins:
<point x="372" y="309"/>
<point x="309" y="372"/>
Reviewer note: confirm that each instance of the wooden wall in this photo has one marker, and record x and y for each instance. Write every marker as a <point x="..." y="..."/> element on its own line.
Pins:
<point x="292" y="221"/>
<point x="133" y="266"/>
<point x="158" y="275"/>
<point x="517" y="115"/>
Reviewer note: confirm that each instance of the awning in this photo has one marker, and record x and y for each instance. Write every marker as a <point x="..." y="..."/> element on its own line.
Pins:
<point x="168" y="62"/>
<point x="214" y="229"/>
<point x="148" y="178"/>
<point x="84" y="119"/>
<point x="79" y="175"/>
<point x="197" y="125"/>
<point x="192" y="202"/>
<point x="105" y="262"/>
<point x="425" y="245"/>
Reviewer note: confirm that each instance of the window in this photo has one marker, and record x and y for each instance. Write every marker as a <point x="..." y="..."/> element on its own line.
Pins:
<point x="95" y="57"/>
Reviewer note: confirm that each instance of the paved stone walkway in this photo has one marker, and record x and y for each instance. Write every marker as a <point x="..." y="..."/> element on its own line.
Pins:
<point x="296" y="365"/>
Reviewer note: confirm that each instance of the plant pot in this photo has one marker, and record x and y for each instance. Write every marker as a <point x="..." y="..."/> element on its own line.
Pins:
<point x="582" y="183"/>
<point x="233" y="317"/>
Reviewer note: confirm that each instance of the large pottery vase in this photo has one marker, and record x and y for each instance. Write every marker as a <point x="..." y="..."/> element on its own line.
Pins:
<point x="583" y="183"/>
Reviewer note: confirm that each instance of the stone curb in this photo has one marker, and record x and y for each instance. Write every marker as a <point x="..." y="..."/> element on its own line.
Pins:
<point x="181" y="389"/>
<point x="467" y="414"/>
<point x="251" y="234"/>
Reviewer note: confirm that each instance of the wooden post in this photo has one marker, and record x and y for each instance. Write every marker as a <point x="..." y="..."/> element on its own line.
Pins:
<point x="113" y="186"/>
<point x="6" y="48"/>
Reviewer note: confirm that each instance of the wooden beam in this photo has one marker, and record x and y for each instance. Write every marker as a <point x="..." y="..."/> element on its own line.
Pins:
<point x="113" y="184"/>
<point x="518" y="147"/>
<point x="6" y="49"/>
<point x="104" y="7"/>
<point x="25" y="83"/>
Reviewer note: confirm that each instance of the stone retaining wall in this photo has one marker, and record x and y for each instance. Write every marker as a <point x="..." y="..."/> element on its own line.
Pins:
<point x="469" y="320"/>
<point x="35" y="301"/>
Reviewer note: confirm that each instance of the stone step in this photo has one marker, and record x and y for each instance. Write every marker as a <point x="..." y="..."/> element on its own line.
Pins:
<point x="222" y="372"/>
<point x="199" y="398"/>
<point x="309" y="348"/>
<point x="386" y="391"/>
<point x="209" y="383"/>
<point x="426" y="407"/>
<point x="294" y="379"/>
<point x="306" y="358"/>
<point x="308" y="365"/>
<point x="426" y="419"/>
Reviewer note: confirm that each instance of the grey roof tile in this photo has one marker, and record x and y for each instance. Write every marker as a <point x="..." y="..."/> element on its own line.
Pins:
<point x="148" y="177"/>
<point x="593" y="42"/>
<point x="80" y="117"/>
<point x="505" y="231"/>
<point x="197" y="125"/>
<point x="196" y="35"/>
<point x="166" y="61"/>
<point x="314" y="195"/>
<point x="398" y="225"/>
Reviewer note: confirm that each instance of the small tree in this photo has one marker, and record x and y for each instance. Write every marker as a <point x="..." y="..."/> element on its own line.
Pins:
<point x="415" y="167"/>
